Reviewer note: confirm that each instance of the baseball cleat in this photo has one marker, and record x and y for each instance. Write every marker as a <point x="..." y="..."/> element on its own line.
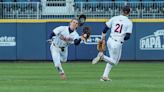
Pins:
<point x="62" y="76"/>
<point x="105" y="79"/>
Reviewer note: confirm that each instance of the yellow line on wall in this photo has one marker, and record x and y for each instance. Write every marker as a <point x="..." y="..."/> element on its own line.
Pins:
<point x="32" y="20"/>
<point x="68" y="20"/>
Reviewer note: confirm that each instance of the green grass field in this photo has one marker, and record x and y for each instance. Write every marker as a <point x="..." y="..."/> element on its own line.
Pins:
<point x="82" y="77"/>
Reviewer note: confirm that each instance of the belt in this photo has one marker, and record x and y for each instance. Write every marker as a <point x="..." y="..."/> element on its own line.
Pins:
<point x="116" y="40"/>
<point x="62" y="48"/>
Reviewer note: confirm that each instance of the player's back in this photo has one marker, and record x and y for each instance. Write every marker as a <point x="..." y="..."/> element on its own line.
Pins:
<point x="120" y="26"/>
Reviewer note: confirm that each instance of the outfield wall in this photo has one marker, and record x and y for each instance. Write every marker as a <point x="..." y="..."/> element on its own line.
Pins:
<point x="26" y="40"/>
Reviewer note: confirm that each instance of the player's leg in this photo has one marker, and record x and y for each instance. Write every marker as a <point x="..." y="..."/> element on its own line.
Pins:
<point x="105" y="76"/>
<point x="64" y="55"/>
<point x="101" y="56"/>
<point x="55" y="52"/>
<point x="114" y="49"/>
<point x="106" y="58"/>
<point x="63" y="58"/>
<point x="115" y="53"/>
<point x="97" y="58"/>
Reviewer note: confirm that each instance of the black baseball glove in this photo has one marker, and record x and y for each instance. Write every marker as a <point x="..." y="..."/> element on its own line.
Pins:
<point x="86" y="32"/>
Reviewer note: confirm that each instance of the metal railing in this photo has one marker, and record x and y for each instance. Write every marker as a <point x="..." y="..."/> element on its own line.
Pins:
<point x="20" y="10"/>
<point x="109" y="9"/>
<point x="42" y="10"/>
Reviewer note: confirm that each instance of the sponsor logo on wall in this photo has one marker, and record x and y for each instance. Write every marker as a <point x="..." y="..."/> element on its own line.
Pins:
<point x="7" y="41"/>
<point x="93" y="39"/>
<point x="153" y="42"/>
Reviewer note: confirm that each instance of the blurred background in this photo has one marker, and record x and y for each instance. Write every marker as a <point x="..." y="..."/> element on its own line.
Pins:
<point x="49" y="9"/>
<point x="26" y="24"/>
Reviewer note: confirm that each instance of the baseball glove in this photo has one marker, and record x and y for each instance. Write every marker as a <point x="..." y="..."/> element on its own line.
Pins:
<point x="86" y="32"/>
<point x="101" y="46"/>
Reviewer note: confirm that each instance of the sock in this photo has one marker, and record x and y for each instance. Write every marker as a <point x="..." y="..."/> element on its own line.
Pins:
<point x="60" y="69"/>
<point x="107" y="70"/>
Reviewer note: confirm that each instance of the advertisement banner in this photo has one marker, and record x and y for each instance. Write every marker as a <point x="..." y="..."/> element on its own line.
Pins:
<point x="28" y="41"/>
<point x="8" y="41"/>
<point x="150" y="41"/>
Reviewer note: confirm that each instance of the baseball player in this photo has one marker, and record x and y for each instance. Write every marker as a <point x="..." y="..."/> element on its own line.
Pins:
<point x="121" y="29"/>
<point x="60" y="39"/>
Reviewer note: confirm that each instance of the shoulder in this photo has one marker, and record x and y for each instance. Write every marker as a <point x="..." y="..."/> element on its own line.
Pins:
<point x="63" y="27"/>
<point x="75" y="33"/>
<point x="130" y="22"/>
<point x="114" y="17"/>
<point x="111" y="19"/>
<point x="60" y="28"/>
<point x="127" y="20"/>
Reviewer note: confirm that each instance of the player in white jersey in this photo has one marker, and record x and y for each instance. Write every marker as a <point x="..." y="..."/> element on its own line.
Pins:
<point x="121" y="29"/>
<point x="60" y="39"/>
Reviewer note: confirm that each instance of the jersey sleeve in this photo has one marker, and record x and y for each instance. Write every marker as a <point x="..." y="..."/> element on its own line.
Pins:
<point x="129" y="29"/>
<point x="109" y="23"/>
<point x="58" y="30"/>
<point x="76" y="36"/>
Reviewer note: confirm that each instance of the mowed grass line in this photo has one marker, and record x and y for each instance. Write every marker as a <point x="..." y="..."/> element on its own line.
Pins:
<point x="82" y="77"/>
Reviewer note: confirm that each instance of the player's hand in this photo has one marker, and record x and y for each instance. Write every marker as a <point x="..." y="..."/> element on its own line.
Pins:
<point x="49" y="41"/>
<point x="103" y="36"/>
<point x="82" y="38"/>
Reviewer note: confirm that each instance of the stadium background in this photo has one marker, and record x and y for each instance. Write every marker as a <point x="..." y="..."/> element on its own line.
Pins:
<point x="30" y="39"/>
<point x="26" y="24"/>
<point x="31" y="29"/>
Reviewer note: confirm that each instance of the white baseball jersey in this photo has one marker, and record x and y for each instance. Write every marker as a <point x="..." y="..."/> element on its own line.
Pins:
<point x="63" y="31"/>
<point x="120" y="25"/>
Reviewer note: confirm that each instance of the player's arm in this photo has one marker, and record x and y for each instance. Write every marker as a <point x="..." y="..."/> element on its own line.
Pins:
<point x="104" y="32"/>
<point x="55" y="32"/>
<point x="51" y="35"/>
<point x="77" y="41"/>
<point x="127" y="36"/>
<point x="129" y="31"/>
<point x="108" y="25"/>
<point x="58" y="30"/>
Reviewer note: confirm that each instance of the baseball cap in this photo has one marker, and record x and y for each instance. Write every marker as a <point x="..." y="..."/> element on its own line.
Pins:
<point x="126" y="9"/>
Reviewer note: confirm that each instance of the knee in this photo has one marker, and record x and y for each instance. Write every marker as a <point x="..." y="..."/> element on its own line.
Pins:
<point x="114" y="62"/>
<point x="64" y="60"/>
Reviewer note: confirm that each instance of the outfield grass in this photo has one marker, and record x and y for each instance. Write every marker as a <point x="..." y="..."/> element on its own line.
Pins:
<point x="82" y="77"/>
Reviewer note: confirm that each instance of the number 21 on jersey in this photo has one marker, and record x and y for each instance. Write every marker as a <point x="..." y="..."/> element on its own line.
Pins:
<point x="118" y="28"/>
